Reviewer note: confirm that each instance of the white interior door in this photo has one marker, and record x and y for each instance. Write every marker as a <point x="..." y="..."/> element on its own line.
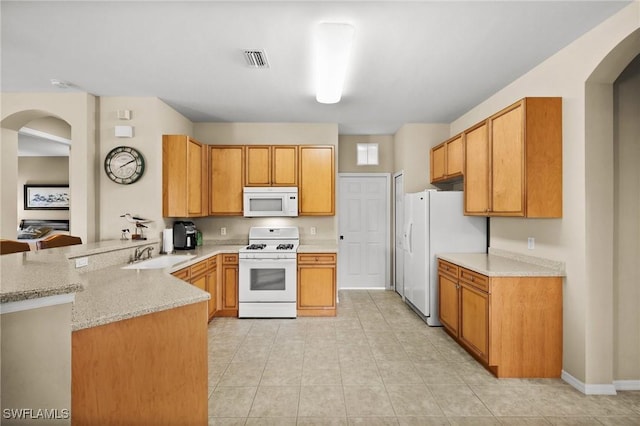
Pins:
<point x="398" y="264"/>
<point x="364" y="257"/>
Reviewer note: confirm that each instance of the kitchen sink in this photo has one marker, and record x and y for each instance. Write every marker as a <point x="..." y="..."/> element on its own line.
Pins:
<point x="160" y="262"/>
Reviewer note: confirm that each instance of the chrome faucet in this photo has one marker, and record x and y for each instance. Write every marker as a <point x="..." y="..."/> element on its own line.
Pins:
<point x="137" y="256"/>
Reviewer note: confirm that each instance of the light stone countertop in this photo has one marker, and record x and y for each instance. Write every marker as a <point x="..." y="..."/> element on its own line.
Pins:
<point x="498" y="263"/>
<point x="43" y="273"/>
<point x="111" y="293"/>
<point x="318" y="248"/>
<point x="34" y="275"/>
<point x="114" y="294"/>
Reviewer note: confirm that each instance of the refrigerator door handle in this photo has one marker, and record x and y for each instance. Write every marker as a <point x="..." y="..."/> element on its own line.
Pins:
<point x="408" y="238"/>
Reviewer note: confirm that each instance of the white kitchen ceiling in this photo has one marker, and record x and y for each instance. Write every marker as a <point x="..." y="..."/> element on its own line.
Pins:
<point x="412" y="61"/>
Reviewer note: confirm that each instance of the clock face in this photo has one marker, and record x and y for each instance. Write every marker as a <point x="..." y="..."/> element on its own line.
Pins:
<point x="124" y="165"/>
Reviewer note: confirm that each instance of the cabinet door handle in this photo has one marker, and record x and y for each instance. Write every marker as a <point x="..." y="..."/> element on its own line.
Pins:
<point x="472" y="279"/>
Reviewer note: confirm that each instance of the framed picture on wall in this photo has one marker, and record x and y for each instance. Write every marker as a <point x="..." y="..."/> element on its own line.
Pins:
<point x="46" y="197"/>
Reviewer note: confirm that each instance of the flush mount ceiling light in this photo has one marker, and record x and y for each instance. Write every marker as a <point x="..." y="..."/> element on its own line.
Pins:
<point x="332" y="46"/>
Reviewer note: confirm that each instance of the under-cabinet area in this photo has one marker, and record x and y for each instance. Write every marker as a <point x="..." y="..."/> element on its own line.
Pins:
<point x="510" y="321"/>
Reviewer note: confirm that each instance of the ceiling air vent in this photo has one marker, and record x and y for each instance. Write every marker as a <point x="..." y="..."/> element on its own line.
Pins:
<point x="256" y="58"/>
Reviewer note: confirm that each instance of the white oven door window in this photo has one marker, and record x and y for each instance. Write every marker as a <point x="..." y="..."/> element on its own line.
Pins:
<point x="266" y="280"/>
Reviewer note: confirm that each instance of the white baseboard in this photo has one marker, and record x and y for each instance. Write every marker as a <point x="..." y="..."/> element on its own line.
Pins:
<point x="627" y="385"/>
<point x="601" y="389"/>
<point x="589" y="389"/>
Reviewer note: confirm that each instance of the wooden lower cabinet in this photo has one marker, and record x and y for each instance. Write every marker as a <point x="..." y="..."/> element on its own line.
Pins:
<point x="511" y="324"/>
<point x="217" y="275"/>
<point x="316" y="284"/>
<point x="474" y="320"/>
<point x="228" y="279"/>
<point x="448" y="302"/>
<point x="204" y="276"/>
<point x="146" y="370"/>
<point x="212" y="285"/>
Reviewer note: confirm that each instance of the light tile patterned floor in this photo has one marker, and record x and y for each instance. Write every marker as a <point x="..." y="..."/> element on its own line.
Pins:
<point x="377" y="363"/>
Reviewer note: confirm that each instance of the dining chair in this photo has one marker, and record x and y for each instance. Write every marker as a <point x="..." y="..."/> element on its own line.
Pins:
<point x="11" y="246"/>
<point x="58" y="240"/>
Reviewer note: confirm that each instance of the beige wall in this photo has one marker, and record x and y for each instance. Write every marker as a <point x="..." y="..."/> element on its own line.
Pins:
<point x="151" y="118"/>
<point x="79" y="111"/>
<point x="412" y="146"/>
<point x="583" y="237"/>
<point x="36" y="361"/>
<point x="627" y="226"/>
<point x="51" y="125"/>
<point x="269" y="134"/>
<point x="348" y="154"/>
<point x="41" y="170"/>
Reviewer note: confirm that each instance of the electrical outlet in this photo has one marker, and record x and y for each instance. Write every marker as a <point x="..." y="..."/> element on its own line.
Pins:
<point x="81" y="262"/>
<point x="313" y="230"/>
<point x="223" y="231"/>
<point x="531" y="243"/>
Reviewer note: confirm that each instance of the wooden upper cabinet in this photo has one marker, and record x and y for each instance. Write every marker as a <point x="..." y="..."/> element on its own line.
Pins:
<point x="438" y="163"/>
<point x="447" y="160"/>
<point x="522" y="158"/>
<point x="476" y="175"/>
<point x="316" y="190"/>
<point x="227" y="164"/>
<point x="271" y="165"/>
<point x="284" y="169"/>
<point x="455" y="157"/>
<point x="184" y="177"/>
<point x="258" y="165"/>
<point x="507" y="162"/>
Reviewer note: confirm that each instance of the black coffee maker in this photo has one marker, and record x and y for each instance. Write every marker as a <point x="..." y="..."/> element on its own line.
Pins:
<point x="184" y="235"/>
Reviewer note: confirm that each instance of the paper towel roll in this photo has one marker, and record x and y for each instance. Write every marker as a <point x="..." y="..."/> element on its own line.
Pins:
<point x="167" y="240"/>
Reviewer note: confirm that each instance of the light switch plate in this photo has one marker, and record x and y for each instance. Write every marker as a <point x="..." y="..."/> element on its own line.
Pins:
<point x="531" y="243"/>
<point x="81" y="262"/>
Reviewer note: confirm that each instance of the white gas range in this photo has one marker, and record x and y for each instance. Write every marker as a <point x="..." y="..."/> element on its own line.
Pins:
<point x="267" y="282"/>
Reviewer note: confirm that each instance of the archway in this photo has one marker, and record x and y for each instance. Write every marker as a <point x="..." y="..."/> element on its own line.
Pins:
<point x="615" y="324"/>
<point x="79" y="111"/>
<point x="43" y="159"/>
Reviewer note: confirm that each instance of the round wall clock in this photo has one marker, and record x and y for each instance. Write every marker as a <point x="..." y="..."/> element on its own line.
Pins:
<point x="124" y="165"/>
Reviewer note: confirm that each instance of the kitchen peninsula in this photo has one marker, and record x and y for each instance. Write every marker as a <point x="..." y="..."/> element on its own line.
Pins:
<point x="137" y="338"/>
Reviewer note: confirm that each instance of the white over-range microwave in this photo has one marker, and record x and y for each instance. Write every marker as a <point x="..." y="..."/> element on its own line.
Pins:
<point x="270" y="201"/>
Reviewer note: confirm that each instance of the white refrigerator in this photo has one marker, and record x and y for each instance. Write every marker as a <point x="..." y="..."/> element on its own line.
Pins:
<point x="434" y="223"/>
